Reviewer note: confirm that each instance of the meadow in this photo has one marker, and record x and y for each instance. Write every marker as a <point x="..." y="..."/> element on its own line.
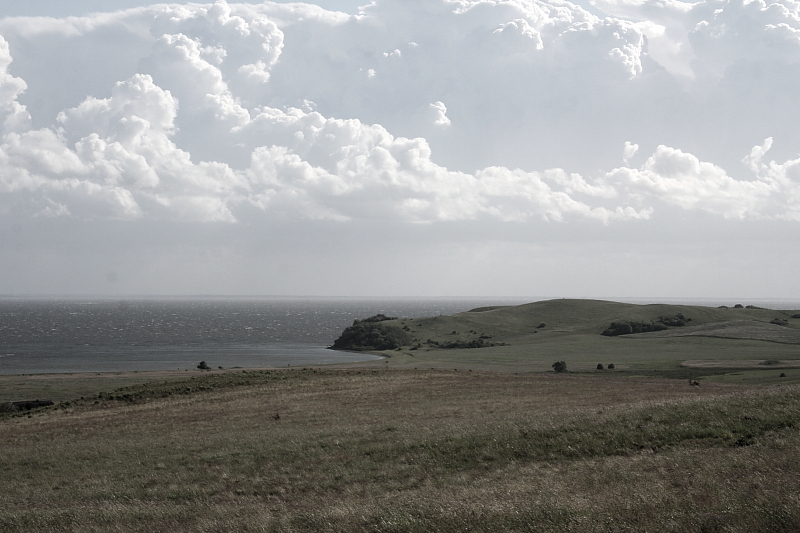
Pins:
<point x="446" y="440"/>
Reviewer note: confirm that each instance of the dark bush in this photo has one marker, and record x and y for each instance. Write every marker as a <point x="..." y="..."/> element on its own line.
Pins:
<point x="600" y="366"/>
<point x="369" y="334"/>
<point x="611" y="366"/>
<point x="783" y="374"/>
<point x="676" y="321"/>
<point x="464" y="344"/>
<point x="380" y="317"/>
<point x="27" y="405"/>
<point x="542" y="325"/>
<point x="626" y="328"/>
<point x="738" y="306"/>
<point x="560" y="366"/>
<point x="796" y="315"/>
<point x="203" y="366"/>
<point x="664" y="322"/>
<point x="779" y="322"/>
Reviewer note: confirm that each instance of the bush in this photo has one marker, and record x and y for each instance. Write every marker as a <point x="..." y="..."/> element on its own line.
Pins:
<point x="626" y="328"/>
<point x="796" y="315"/>
<point x="380" y="317"/>
<point x="370" y="334"/>
<point x="560" y="366"/>
<point x="203" y="366"/>
<point x="611" y="366"/>
<point x="600" y="366"/>
<point x="542" y="325"/>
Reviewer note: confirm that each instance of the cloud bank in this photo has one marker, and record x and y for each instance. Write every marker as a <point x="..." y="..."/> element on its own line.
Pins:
<point x="443" y="112"/>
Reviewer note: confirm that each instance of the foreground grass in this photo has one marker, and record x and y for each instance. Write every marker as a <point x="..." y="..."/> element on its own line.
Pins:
<point x="405" y="450"/>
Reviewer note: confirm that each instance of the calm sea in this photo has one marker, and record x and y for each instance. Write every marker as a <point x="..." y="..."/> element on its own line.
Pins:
<point x="82" y="335"/>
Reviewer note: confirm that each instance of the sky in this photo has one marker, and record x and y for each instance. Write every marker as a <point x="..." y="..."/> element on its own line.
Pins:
<point x="401" y="148"/>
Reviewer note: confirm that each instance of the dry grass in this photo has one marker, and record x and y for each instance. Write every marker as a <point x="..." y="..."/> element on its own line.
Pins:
<point x="404" y="450"/>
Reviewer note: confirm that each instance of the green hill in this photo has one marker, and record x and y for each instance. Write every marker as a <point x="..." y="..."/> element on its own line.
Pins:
<point x="644" y="338"/>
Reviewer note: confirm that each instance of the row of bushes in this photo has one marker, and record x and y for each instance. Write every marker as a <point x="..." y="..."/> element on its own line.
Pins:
<point x="475" y="343"/>
<point x="561" y="366"/>
<point x="626" y="328"/>
<point x="629" y="327"/>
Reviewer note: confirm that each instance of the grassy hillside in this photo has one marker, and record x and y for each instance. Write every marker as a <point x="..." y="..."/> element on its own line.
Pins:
<point x="366" y="450"/>
<point x="531" y="337"/>
<point x="428" y="440"/>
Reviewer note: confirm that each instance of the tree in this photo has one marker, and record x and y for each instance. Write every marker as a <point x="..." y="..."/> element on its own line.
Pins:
<point x="560" y="366"/>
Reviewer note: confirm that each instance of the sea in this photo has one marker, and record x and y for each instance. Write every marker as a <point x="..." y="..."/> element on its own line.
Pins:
<point x="71" y="335"/>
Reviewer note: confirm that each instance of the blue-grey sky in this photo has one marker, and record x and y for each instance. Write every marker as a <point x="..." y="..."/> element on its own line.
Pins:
<point x="405" y="148"/>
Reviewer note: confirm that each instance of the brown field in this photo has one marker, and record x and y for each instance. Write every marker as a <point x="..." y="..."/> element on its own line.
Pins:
<point x="368" y="449"/>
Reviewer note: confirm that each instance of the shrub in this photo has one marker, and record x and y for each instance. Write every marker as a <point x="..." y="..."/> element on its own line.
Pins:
<point x="738" y="306"/>
<point x="560" y="366"/>
<point x="783" y="374"/>
<point x="203" y="366"/>
<point x="797" y="315"/>
<point x="380" y="317"/>
<point x="542" y="325"/>
<point x="779" y="321"/>
<point x="600" y="366"/>
<point x="611" y="366"/>
<point x="626" y="328"/>
<point x="369" y="334"/>
<point x="678" y="320"/>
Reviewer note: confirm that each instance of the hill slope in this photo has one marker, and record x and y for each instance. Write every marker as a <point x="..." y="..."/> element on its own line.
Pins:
<point x="550" y="318"/>
<point x="533" y="335"/>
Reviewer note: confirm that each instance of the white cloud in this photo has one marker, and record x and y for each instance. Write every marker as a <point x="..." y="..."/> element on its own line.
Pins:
<point x="439" y="114"/>
<point x="14" y="116"/>
<point x="200" y="133"/>
<point x="629" y="151"/>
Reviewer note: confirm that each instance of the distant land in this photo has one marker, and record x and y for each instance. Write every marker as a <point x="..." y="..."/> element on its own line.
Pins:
<point x="665" y="339"/>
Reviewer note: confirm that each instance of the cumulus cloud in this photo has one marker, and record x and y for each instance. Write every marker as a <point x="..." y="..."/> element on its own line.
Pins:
<point x="439" y="114"/>
<point x="213" y="121"/>
<point x="629" y="151"/>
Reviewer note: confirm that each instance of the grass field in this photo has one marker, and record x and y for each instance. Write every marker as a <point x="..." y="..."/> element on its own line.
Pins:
<point x="487" y="439"/>
<point x="405" y="450"/>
